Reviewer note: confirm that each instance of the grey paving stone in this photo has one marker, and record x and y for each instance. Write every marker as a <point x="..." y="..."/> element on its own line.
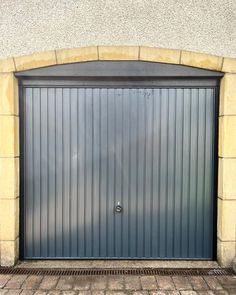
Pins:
<point x="165" y="283"/>
<point x="209" y="292"/>
<point x="82" y="283"/>
<point x="198" y="283"/>
<point x="49" y="282"/>
<point x="98" y="292"/>
<point x="182" y="283"/>
<point x="4" y="279"/>
<point x="68" y="293"/>
<point x="16" y="282"/>
<point x="228" y="282"/>
<point x="54" y="292"/>
<point x="222" y="292"/>
<point x="188" y="292"/>
<point x="148" y="283"/>
<point x="98" y="282"/>
<point x="132" y="283"/>
<point x="14" y="292"/>
<point x="65" y="283"/>
<point x="27" y="292"/>
<point x="84" y="292"/>
<point x="164" y="292"/>
<point x="213" y="283"/>
<point x="32" y="282"/>
<point x="40" y="292"/>
<point x="115" y="283"/>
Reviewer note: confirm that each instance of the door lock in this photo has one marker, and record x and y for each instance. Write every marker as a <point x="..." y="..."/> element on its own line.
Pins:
<point x="118" y="208"/>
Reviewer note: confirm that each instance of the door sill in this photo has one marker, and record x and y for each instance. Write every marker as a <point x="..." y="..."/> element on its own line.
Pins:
<point x="113" y="264"/>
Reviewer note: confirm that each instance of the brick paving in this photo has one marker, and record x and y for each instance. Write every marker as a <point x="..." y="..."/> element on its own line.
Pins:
<point x="117" y="285"/>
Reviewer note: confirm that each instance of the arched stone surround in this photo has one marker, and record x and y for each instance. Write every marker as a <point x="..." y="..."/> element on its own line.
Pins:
<point x="9" y="133"/>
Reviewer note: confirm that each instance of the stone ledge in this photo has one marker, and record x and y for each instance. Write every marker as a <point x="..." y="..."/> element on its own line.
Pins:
<point x="229" y="65"/>
<point x="201" y="60"/>
<point x="36" y="60"/>
<point x="118" y="53"/>
<point x="77" y="55"/>
<point x="162" y="55"/>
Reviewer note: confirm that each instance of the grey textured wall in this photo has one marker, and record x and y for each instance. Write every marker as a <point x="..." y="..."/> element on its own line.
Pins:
<point x="28" y="26"/>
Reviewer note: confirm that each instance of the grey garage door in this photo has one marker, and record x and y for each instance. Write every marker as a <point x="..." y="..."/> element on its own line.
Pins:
<point x="118" y="172"/>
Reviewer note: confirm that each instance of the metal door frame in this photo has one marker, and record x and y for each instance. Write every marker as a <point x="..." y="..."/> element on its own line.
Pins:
<point x="158" y="75"/>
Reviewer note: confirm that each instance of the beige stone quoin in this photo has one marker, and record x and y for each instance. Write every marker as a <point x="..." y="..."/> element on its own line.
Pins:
<point x="9" y="165"/>
<point x="9" y="133"/>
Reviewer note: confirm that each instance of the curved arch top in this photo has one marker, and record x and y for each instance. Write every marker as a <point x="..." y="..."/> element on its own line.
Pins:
<point x="118" y="53"/>
<point x="118" y="70"/>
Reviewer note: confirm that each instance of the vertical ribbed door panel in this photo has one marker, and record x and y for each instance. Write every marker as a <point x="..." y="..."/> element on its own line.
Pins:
<point x="150" y="151"/>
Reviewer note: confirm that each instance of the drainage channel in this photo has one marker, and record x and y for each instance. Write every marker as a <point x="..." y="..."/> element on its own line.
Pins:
<point x="121" y="271"/>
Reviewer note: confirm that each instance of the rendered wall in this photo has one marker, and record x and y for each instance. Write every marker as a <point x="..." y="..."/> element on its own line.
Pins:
<point x="206" y="26"/>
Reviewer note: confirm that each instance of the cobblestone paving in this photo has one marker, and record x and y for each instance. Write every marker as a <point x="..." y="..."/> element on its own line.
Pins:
<point x="117" y="285"/>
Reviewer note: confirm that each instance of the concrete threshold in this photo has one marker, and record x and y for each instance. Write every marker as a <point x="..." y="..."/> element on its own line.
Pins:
<point x="116" y="264"/>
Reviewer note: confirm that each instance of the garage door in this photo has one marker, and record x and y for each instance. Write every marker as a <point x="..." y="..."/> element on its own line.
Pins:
<point x="118" y="172"/>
